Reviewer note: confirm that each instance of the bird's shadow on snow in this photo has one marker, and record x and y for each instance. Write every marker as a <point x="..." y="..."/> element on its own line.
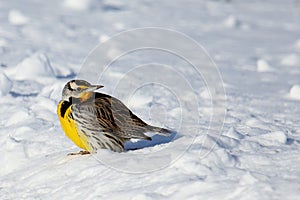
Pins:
<point x="156" y="140"/>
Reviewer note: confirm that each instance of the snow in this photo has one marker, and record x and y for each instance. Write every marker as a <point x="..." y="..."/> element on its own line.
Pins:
<point x="295" y="92"/>
<point x="271" y="139"/>
<point x="232" y="22"/>
<point x="251" y="153"/>
<point x="103" y="38"/>
<point x="297" y="44"/>
<point x="15" y="17"/>
<point x="291" y="60"/>
<point x="5" y="84"/>
<point x="78" y="5"/>
<point x="37" y="65"/>
<point x="263" y="66"/>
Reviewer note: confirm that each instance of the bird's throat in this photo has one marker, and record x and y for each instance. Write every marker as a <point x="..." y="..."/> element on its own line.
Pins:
<point x="85" y="96"/>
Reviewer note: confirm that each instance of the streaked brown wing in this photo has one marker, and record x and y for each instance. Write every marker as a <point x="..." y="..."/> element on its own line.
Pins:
<point x="114" y="117"/>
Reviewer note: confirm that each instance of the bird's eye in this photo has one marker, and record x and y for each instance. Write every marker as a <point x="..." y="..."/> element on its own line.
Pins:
<point x="79" y="89"/>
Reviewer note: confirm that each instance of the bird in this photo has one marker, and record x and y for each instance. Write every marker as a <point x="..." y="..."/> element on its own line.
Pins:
<point x="94" y="120"/>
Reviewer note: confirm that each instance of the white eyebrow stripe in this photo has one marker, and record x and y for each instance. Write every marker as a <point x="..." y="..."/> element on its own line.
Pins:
<point x="73" y="85"/>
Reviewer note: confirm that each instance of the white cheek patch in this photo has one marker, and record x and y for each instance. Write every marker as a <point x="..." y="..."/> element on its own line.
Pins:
<point x="73" y="85"/>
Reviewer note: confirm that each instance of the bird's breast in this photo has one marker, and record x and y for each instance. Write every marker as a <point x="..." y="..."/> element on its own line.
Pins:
<point x="69" y="126"/>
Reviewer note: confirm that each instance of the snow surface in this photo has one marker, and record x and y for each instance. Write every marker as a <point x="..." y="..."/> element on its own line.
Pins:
<point x="256" y="46"/>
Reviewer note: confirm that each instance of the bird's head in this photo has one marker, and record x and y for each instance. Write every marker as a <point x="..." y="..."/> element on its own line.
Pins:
<point x="79" y="89"/>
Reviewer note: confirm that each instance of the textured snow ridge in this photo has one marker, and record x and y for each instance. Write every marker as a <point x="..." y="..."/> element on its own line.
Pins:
<point x="78" y="5"/>
<point x="16" y="17"/>
<point x="256" y="46"/>
<point x="5" y="84"/>
<point x="295" y="92"/>
<point x="37" y="65"/>
<point x="263" y="66"/>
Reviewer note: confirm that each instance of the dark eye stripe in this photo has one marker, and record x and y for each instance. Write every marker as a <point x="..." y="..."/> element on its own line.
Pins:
<point x="69" y="87"/>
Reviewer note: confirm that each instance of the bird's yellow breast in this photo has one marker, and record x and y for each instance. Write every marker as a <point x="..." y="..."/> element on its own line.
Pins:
<point x="69" y="125"/>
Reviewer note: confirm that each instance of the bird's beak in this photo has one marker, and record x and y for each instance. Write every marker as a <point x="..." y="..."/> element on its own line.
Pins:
<point x="93" y="88"/>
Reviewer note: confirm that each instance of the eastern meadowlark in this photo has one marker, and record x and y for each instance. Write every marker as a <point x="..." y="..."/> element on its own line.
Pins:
<point x="95" y="120"/>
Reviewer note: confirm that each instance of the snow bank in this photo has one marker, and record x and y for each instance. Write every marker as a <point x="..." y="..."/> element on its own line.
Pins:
<point x="15" y="17"/>
<point x="297" y="44"/>
<point x="78" y="5"/>
<point x="232" y="22"/>
<point x="295" y="92"/>
<point x="233" y="133"/>
<point x="263" y="66"/>
<point x="205" y="94"/>
<point x="52" y="91"/>
<point x="291" y="60"/>
<point x="103" y="38"/>
<point x="3" y="42"/>
<point x="271" y="139"/>
<point x="18" y="118"/>
<point x="62" y="71"/>
<point x="37" y="65"/>
<point x="5" y="84"/>
<point x="254" y="122"/>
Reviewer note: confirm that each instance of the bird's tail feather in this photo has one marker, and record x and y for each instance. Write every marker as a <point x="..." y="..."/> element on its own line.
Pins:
<point x="160" y="131"/>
